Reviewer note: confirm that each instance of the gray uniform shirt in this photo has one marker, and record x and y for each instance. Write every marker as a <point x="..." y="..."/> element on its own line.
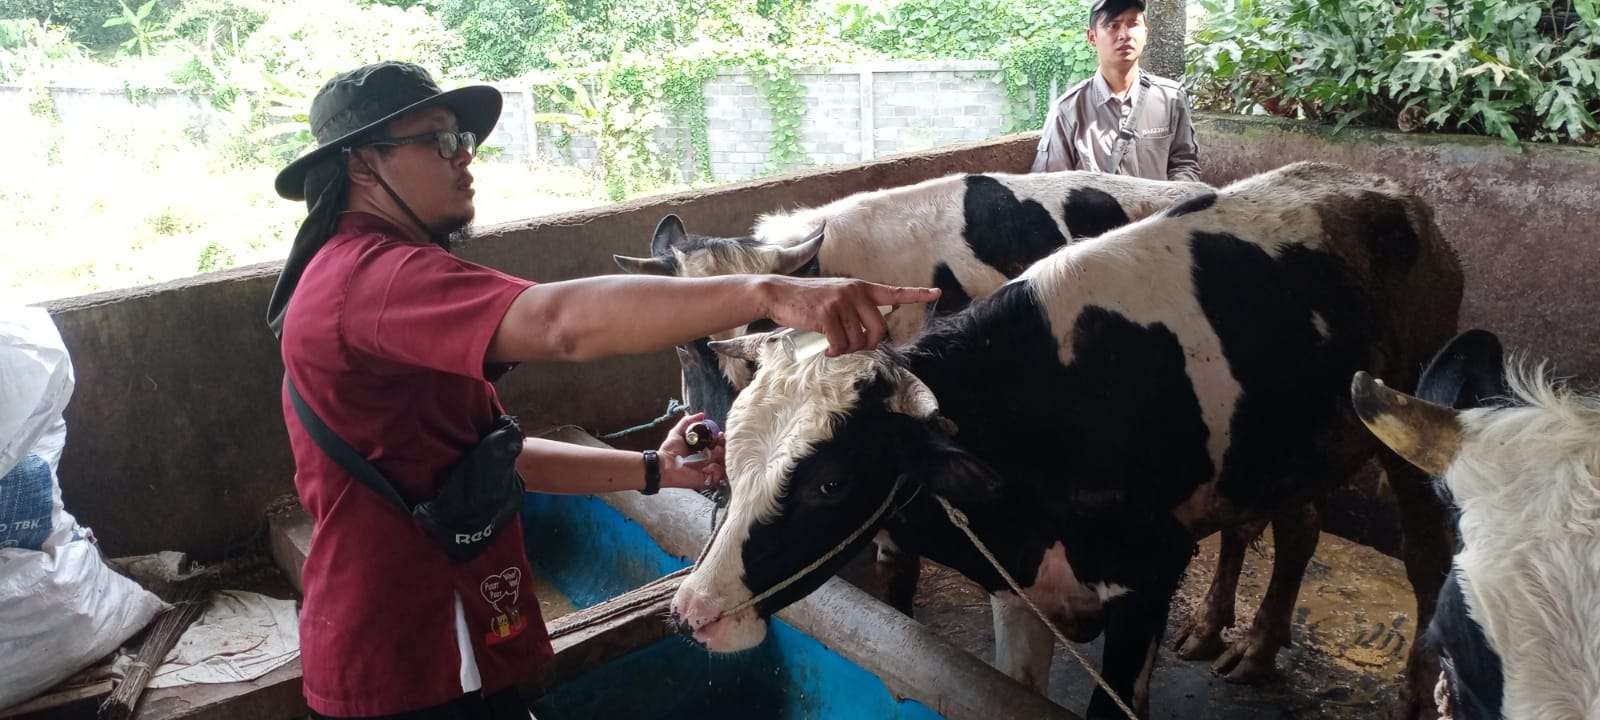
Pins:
<point x="1080" y="133"/>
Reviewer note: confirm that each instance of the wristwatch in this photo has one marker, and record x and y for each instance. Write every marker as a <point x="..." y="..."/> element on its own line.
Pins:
<point x="652" y="473"/>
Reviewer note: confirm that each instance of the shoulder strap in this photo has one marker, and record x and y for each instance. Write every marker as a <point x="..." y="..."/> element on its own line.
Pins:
<point x="341" y="452"/>
<point x="1125" y="133"/>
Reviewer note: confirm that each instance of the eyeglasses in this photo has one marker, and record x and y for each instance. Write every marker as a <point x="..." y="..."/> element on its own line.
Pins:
<point x="449" y="142"/>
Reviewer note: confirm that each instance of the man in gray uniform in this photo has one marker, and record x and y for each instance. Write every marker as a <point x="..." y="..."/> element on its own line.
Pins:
<point x="1123" y="120"/>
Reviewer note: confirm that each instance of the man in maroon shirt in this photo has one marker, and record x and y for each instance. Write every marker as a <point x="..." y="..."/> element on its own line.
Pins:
<point x="393" y="342"/>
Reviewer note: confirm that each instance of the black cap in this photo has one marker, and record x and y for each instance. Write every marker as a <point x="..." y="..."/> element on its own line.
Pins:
<point x="1117" y="7"/>
<point x="357" y="101"/>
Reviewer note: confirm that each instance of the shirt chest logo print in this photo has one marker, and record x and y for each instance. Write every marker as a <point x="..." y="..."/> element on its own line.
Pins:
<point x="501" y="591"/>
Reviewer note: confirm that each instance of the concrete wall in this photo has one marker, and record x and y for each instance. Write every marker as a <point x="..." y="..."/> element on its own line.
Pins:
<point x="176" y="438"/>
<point x="853" y="113"/>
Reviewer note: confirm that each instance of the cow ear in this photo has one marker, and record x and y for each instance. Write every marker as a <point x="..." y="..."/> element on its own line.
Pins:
<point x="1468" y="372"/>
<point x="947" y="469"/>
<point x="669" y="234"/>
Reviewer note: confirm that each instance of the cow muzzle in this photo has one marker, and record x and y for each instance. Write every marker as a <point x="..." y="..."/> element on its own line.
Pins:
<point x="700" y="616"/>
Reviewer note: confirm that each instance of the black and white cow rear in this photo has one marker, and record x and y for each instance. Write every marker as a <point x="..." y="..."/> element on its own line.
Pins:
<point x="1095" y="418"/>
<point x="964" y="234"/>
<point x="1518" y="621"/>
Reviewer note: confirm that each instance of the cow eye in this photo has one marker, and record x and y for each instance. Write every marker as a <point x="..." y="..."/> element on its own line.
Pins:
<point x="829" y="488"/>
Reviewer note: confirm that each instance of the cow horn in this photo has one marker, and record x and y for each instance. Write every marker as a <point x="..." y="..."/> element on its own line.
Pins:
<point x="913" y="397"/>
<point x="790" y="259"/>
<point x="644" y="266"/>
<point x="743" y="347"/>
<point x="1426" y="435"/>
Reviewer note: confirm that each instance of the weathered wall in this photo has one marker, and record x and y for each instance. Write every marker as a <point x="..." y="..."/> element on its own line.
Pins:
<point x="1168" y="20"/>
<point x="176" y="437"/>
<point x="1525" y="223"/>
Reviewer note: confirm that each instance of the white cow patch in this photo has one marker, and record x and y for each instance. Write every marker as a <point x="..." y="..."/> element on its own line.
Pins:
<point x="1527" y="483"/>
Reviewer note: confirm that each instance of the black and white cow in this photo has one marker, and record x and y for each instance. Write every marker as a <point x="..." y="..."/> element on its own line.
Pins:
<point x="1096" y="417"/>
<point x="1518" y="620"/>
<point x="964" y="234"/>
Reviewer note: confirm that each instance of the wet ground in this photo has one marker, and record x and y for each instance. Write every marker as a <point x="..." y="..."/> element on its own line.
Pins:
<point x="1352" y="629"/>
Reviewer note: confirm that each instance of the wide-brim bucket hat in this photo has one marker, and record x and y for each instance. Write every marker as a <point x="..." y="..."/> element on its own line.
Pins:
<point x="348" y="108"/>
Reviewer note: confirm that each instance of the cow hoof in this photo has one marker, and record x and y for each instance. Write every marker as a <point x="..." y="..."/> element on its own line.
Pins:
<point x="1197" y="643"/>
<point x="1238" y="667"/>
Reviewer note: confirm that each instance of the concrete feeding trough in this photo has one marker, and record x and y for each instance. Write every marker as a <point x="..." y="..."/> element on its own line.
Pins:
<point x="838" y="653"/>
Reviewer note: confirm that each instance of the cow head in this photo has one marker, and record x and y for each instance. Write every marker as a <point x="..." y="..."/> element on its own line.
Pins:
<point x="676" y="253"/>
<point x="820" y="453"/>
<point x="1519" y="458"/>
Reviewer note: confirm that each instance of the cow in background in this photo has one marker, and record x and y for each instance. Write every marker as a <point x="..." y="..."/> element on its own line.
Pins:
<point x="964" y="234"/>
<point x="1518" y="456"/>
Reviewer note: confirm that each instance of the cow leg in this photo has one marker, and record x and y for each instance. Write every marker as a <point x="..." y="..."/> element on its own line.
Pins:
<point x="1136" y="621"/>
<point x="1426" y="552"/>
<point x="1201" y="638"/>
<point x="900" y="571"/>
<point x="1023" y="644"/>
<point x="1252" y="658"/>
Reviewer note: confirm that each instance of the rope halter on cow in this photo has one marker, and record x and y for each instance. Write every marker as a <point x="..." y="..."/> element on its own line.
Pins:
<point x="849" y="540"/>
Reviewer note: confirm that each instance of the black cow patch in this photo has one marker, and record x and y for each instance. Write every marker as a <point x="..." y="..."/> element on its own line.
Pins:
<point x="1384" y="228"/>
<point x="1088" y="451"/>
<point x="1006" y="233"/>
<point x="1192" y="204"/>
<point x="952" y="297"/>
<point x="1089" y="213"/>
<point x="1472" y="667"/>
<point x="1291" y="376"/>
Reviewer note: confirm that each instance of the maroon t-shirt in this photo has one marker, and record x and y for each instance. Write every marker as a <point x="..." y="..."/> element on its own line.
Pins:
<point x="385" y="339"/>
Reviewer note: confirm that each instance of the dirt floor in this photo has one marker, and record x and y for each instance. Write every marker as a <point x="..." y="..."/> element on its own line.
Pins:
<point x="1352" y="629"/>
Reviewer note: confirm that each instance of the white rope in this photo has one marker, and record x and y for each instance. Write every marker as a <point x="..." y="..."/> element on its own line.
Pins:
<point x="959" y="519"/>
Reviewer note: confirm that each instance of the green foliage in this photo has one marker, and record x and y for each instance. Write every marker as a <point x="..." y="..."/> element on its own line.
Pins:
<point x="147" y="32"/>
<point x="960" y="28"/>
<point x="1026" y="72"/>
<point x="1528" y="70"/>
<point x="503" y="38"/>
<point x="83" y="20"/>
<point x="772" y="72"/>
<point x="29" y="49"/>
<point x="684" y="90"/>
<point x="609" y="105"/>
<point x="265" y="82"/>
<point x="214" y="256"/>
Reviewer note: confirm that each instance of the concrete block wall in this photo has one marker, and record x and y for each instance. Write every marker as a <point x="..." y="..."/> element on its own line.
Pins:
<point x="852" y="113"/>
<point x="916" y="109"/>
